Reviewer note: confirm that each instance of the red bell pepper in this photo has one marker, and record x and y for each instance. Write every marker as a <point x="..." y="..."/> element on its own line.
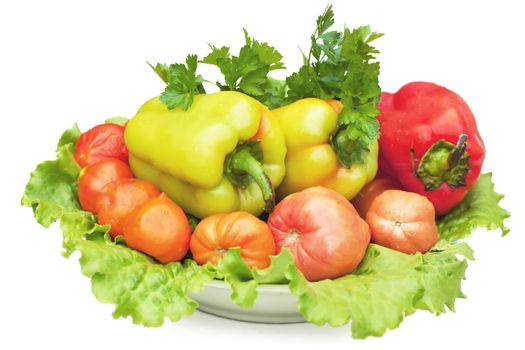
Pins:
<point x="430" y="143"/>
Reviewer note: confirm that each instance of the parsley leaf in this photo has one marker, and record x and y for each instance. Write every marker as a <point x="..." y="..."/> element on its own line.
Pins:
<point x="162" y="70"/>
<point x="274" y="93"/>
<point x="341" y="65"/>
<point x="183" y="82"/>
<point x="248" y="71"/>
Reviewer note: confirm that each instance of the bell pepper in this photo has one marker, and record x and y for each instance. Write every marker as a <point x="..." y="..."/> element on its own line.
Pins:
<point x="430" y="143"/>
<point x="308" y="125"/>
<point x="225" y="153"/>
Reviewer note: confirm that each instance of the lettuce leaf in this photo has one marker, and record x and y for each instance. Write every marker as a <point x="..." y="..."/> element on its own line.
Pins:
<point x="238" y="275"/>
<point x="386" y="287"/>
<point x="52" y="192"/>
<point x="244" y="282"/>
<point x="442" y="273"/>
<point x="76" y="225"/>
<point x="479" y="208"/>
<point x="147" y="291"/>
<point x="375" y="297"/>
<point x="117" y="120"/>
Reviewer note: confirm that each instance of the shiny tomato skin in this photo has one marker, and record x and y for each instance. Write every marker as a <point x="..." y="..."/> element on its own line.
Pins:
<point x="366" y="196"/>
<point x="158" y="228"/>
<point x="323" y="231"/>
<point x="404" y="221"/>
<point x="215" y="234"/>
<point x="119" y="198"/>
<point x="101" y="142"/>
<point x="94" y="177"/>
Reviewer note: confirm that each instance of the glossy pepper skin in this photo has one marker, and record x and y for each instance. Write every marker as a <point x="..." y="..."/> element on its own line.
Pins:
<point x="185" y="153"/>
<point x="310" y="160"/>
<point x="422" y="146"/>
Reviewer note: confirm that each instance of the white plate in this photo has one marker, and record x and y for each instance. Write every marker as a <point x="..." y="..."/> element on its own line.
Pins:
<point x="275" y="304"/>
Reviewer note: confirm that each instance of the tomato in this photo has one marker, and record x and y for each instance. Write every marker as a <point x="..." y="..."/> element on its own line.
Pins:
<point x="119" y="198"/>
<point x="215" y="234"/>
<point x="323" y="230"/>
<point x="403" y="221"/>
<point x="95" y="176"/>
<point x="101" y="142"/>
<point x="366" y="196"/>
<point x="158" y="228"/>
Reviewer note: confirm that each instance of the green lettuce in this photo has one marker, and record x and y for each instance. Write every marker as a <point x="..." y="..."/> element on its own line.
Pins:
<point x="139" y="287"/>
<point x="244" y="281"/>
<point x="480" y="208"/>
<point x="52" y="191"/>
<point x="385" y="288"/>
<point x="375" y="297"/>
<point x="117" y="120"/>
<point x="441" y="275"/>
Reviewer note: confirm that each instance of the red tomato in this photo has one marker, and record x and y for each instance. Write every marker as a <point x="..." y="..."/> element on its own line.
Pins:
<point x="403" y="221"/>
<point x="95" y="176"/>
<point x="158" y="228"/>
<point x="119" y="198"/>
<point x="366" y="196"/>
<point x="323" y="230"/>
<point x="215" y="234"/>
<point x="101" y="142"/>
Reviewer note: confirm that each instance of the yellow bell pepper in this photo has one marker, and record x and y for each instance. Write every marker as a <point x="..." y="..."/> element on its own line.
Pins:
<point x="225" y="153"/>
<point x="311" y="161"/>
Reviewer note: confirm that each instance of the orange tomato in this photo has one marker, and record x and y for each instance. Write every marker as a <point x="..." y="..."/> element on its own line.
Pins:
<point x="366" y="196"/>
<point x="119" y="198"/>
<point x="323" y="231"/>
<point x="158" y="228"/>
<point x="94" y="177"/>
<point x="214" y="235"/>
<point x="403" y="221"/>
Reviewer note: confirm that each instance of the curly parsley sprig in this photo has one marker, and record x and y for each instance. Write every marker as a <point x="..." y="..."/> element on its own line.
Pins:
<point x="248" y="71"/>
<point x="342" y="65"/>
<point x="182" y="82"/>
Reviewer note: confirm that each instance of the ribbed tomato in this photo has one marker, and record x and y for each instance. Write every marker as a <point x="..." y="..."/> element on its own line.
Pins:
<point x="323" y="231"/>
<point x="403" y="221"/>
<point x="215" y="234"/>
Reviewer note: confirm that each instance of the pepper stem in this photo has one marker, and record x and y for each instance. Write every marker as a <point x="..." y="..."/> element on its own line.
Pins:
<point x="444" y="163"/>
<point x="460" y="148"/>
<point x="242" y="162"/>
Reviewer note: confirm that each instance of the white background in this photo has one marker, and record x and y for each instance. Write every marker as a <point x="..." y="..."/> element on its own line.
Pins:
<point x="69" y="61"/>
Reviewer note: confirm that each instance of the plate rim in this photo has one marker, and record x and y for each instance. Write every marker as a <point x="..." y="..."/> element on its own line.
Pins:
<point x="266" y="288"/>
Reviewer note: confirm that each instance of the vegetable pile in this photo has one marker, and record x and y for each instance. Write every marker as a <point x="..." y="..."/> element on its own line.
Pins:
<point x="357" y="199"/>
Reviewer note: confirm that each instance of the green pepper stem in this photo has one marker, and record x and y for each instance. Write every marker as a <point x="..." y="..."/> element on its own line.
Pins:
<point x="444" y="162"/>
<point x="458" y="151"/>
<point x="244" y="161"/>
